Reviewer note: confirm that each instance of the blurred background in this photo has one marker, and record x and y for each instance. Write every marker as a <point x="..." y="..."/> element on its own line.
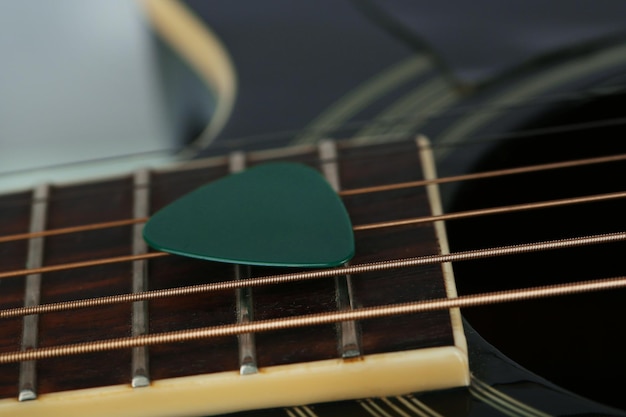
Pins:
<point x="105" y="87"/>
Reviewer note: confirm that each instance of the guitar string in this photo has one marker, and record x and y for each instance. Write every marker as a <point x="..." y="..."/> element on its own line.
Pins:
<point x="458" y="111"/>
<point x="318" y="274"/>
<point x="358" y="228"/>
<point x="486" y="139"/>
<point x="492" y="211"/>
<point x="364" y="313"/>
<point x="552" y="98"/>
<point x="155" y="254"/>
<point x="469" y="142"/>
<point x="486" y="174"/>
<point x="352" y="192"/>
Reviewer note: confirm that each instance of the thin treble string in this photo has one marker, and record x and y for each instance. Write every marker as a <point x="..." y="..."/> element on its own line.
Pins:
<point x="73" y="229"/>
<point x="368" y="190"/>
<point x="492" y="211"/>
<point x="23" y="197"/>
<point x="358" y="228"/>
<point x="455" y="112"/>
<point x="493" y="138"/>
<point x="487" y="174"/>
<point x="364" y="313"/>
<point x="553" y="130"/>
<point x="354" y="270"/>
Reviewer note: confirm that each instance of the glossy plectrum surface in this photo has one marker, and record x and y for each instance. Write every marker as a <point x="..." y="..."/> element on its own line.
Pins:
<point x="277" y="214"/>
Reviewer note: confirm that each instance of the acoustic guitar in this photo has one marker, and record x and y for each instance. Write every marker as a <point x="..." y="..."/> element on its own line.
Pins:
<point x="487" y="277"/>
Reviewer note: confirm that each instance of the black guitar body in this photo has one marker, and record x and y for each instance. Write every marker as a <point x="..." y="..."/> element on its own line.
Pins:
<point x="537" y="105"/>
<point x="570" y="341"/>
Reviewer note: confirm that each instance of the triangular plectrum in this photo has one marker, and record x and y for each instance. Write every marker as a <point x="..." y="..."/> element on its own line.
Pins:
<point x="277" y="214"/>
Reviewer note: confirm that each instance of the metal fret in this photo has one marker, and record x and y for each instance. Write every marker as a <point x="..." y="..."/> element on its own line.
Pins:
<point x="349" y="343"/>
<point x="247" y="350"/>
<point x="245" y="308"/>
<point x="32" y="293"/>
<point x="140" y="376"/>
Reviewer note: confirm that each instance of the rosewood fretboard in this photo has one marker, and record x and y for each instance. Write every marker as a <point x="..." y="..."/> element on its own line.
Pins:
<point x="345" y="165"/>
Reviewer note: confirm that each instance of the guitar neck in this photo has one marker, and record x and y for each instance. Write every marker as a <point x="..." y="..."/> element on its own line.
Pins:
<point x="297" y="365"/>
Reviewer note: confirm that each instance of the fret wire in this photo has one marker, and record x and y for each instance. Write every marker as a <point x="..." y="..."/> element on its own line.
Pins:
<point x="348" y="331"/>
<point x="321" y="273"/>
<point x="346" y="193"/>
<point x="245" y="307"/>
<point x="27" y="385"/>
<point x="245" y="314"/>
<point x="140" y="375"/>
<point x="363" y="313"/>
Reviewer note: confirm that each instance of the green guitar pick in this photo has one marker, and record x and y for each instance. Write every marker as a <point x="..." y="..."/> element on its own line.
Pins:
<point x="277" y="214"/>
